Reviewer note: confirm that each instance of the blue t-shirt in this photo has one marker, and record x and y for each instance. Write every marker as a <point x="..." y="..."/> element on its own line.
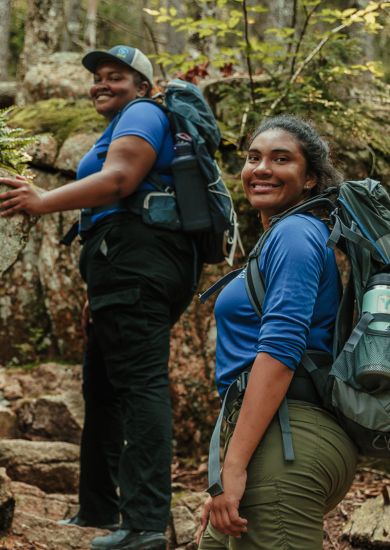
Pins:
<point x="300" y="305"/>
<point x="144" y="120"/>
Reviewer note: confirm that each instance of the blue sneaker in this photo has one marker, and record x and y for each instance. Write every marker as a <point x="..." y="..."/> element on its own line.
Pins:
<point x="124" y="539"/>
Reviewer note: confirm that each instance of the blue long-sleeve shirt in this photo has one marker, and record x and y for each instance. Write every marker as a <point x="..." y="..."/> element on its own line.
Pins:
<point x="300" y="305"/>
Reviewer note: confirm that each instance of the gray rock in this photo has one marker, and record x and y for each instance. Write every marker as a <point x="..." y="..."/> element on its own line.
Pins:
<point x="52" y="417"/>
<point x="43" y="150"/>
<point x="369" y="525"/>
<point x="31" y="500"/>
<point x="49" y="535"/>
<point x="53" y="467"/>
<point x="13" y="234"/>
<point x="7" y="502"/>
<point x="72" y="150"/>
<point x="8" y="423"/>
<point x="184" y="525"/>
<point x="59" y="75"/>
<point x="41" y="296"/>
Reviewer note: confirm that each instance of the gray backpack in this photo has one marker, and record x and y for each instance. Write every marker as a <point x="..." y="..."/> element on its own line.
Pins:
<point x="354" y="384"/>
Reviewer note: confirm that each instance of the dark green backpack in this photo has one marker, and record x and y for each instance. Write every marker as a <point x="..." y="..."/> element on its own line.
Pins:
<point x="356" y="387"/>
<point x="355" y="384"/>
<point x="189" y="114"/>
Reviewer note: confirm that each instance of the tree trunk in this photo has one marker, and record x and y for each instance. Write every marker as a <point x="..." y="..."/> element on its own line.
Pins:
<point x="71" y="35"/>
<point x="4" y="42"/>
<point x="90" y="24"/>
<point x="43" y="31"/>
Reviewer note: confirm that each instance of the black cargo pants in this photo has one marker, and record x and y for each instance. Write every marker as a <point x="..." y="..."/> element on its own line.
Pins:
<point x="139" y="280"/>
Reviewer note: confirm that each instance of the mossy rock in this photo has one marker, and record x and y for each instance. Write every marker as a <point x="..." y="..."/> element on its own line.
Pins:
<point x="61" y="117"/>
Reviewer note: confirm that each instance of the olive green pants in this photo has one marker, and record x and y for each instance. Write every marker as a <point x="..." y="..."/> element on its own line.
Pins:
<point x="284" y="502"/>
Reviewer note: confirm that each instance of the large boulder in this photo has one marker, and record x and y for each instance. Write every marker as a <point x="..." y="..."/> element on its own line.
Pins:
<point x="53" y="467"/>
<point x="52" y="417"/>
<point x="59" y="75"/>
<point x="73" y="148"/>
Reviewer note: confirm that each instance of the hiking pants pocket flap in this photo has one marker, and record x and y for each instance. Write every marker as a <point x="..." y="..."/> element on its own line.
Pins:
<point x="266" y="493"/>
<point x="126" y="297"/>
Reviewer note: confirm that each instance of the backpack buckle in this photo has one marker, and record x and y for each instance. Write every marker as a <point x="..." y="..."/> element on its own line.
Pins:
<point x="242" y="381"/>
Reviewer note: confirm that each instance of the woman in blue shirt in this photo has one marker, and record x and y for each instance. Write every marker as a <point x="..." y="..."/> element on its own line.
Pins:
<point x="269" y="503"/>
<point x="139" y="280"/>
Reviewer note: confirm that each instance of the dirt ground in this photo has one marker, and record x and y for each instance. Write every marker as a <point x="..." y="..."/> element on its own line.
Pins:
<point x="368" y="483"/>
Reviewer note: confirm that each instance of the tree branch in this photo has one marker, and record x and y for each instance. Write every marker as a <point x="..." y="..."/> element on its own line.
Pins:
<point x="318" y="48"/>
<point x="155" y="46"/>
<point x="248" y="51"/>
<point x="301" y="36"/>
<point x="293" y="23"/>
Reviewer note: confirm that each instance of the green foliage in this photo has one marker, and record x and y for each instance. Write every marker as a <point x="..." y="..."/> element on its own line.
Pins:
<point x="306" y="68"/>
<point x="13" y="143"/>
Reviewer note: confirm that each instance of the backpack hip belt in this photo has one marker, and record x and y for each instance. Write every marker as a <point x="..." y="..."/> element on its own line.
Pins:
<point x="300" y="389"/>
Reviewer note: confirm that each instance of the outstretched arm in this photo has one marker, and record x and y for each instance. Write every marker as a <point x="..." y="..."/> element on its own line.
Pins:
<point x="129" y="160"/>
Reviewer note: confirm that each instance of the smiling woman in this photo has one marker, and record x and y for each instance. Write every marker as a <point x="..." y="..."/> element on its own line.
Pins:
<point x="274" y="177"/>
<point x="269" y="503"/>
<point x="114" y="86"/>
<point x="139" y="280"/>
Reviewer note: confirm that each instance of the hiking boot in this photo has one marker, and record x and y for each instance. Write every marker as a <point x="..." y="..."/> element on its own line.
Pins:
<point x="124" y="539"/>
<point x="81" y="522"/>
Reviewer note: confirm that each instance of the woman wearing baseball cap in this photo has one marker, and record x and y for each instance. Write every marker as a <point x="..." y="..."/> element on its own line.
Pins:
<point x="139" y="280"/>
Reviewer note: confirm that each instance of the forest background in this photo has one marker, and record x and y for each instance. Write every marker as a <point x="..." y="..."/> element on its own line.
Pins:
<point x="325" y="60"/>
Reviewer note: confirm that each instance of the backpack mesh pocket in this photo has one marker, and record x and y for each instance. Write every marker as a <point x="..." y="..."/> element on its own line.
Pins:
<point x="367" y="365"/>
<point x="372" y="361"/>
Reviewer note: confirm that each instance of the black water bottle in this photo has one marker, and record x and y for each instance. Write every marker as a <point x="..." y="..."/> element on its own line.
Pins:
<point x="190" y="186"/>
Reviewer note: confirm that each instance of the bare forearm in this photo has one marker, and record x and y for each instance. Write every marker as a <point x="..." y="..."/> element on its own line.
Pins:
<point x="95" y="190"/>
<point x="268" y="384"/>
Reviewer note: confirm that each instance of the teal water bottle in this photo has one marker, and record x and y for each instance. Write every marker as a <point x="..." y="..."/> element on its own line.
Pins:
<point x="377" y="300"/>
<point x="373" y="358"/>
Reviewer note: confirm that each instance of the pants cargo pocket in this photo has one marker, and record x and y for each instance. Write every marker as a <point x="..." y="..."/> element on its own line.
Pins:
<point x="120" y="324"/>
<point x="260" y="506"/>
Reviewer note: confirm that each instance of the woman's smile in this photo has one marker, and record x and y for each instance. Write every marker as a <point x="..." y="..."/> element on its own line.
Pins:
<point x="263" y="186"/>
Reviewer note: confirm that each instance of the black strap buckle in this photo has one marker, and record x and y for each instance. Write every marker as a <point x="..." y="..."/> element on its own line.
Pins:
<point x="242" y="381"/>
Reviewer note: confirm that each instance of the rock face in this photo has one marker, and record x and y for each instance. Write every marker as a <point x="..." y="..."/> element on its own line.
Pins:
<point x="13" y="234"/>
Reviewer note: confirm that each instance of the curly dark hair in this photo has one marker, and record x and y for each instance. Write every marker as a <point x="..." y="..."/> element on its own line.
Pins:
<point x="314" y="149"/>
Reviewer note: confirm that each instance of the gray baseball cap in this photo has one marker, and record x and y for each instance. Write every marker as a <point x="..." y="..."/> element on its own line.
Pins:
<point x="132" y="57"/>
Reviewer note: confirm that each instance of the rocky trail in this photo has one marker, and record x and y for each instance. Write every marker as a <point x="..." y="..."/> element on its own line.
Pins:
<point x="40" y="424"/>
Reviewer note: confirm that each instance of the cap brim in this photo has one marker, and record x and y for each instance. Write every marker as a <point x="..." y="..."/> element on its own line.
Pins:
<point x="93" y="59"/>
